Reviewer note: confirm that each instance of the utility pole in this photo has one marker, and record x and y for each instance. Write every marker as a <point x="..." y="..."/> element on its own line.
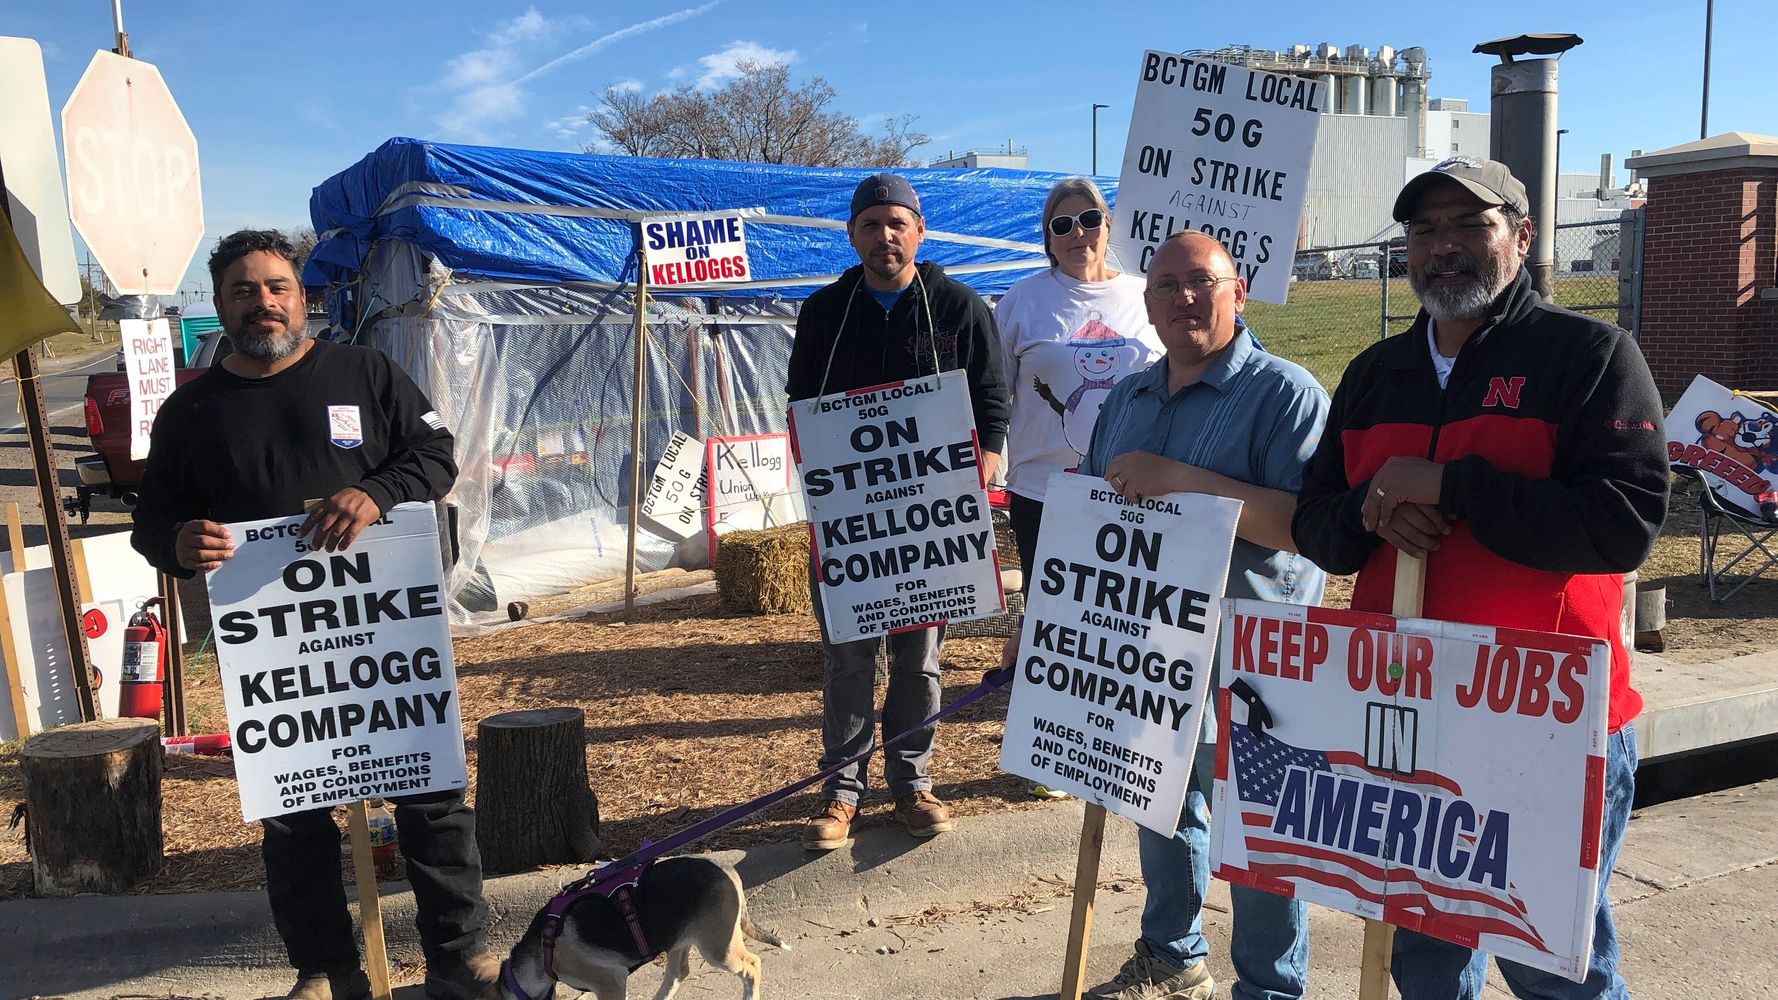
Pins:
<point x="1704" y="112"/>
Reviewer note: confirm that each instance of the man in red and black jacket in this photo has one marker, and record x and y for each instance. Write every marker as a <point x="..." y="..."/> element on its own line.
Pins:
<point x="1518" y="447"/>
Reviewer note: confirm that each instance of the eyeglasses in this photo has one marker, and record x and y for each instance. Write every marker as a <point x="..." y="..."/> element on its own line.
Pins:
<point x="1089" y="220"/>
<point x="1198" y="285"/>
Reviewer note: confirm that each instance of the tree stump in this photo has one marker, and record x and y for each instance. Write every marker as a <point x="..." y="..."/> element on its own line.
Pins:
<point x="532" y="802"/>
<point x="93" y="795"/>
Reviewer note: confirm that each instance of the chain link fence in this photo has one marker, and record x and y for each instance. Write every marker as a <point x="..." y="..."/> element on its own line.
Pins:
<point x="1347" y="297"/>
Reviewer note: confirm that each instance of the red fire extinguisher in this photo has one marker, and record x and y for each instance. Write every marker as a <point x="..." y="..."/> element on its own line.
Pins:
<point x="144" y="664"/>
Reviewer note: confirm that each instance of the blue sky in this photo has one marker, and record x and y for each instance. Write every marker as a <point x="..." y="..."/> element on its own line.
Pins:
<point x="282" y="95"/>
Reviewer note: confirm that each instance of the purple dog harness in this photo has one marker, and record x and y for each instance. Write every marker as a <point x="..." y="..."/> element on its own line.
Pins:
<point x="617" y="880"/>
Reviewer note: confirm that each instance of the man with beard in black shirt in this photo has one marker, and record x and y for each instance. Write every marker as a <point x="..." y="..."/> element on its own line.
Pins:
<point x="280" y="421"/>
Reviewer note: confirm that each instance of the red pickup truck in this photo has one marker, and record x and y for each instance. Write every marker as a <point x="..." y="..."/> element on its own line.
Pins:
<point x="110" y="470"/>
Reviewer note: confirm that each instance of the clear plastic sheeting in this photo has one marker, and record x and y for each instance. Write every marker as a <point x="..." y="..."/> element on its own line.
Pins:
<point x="502" y="280"/>
<point x="536" y="383"/>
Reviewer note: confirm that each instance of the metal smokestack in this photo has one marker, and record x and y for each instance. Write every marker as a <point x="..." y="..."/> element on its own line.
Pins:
<point x="1522" y="134"/>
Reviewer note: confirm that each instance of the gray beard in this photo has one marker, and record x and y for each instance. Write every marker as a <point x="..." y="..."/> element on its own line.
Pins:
<point x="1470" y="300"/>
<point x="269" y="349"/>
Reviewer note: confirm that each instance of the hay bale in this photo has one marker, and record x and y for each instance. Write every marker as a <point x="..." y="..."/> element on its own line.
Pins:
<point x="764" y="572"/>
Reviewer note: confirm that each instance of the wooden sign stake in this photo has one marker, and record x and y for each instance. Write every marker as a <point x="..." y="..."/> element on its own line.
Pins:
<point x="1379" y="937"/>
<point x="1086" y="883"/>
<point x="370" y="903"/>
<point x="15" y="681"/>
<point x="15" y="537"/>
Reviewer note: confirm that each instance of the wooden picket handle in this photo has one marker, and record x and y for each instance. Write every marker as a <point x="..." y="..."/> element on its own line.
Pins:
<point x="15" y="537"/>
<point x="1086" y="883"/>
<point x="1379" y="937"/>
<point x="370" y="902"/>
<point x="83" y="580"/>
<point x="15" y="678"/>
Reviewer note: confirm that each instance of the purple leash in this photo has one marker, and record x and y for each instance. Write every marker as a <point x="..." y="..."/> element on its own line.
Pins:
<point x="616" y="880"/>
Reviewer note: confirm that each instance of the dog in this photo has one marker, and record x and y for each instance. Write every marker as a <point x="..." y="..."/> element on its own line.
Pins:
<point x="681" y="903"/>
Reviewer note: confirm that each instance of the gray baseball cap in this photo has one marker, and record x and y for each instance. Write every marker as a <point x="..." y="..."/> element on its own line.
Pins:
<point x="1488" y="180"/>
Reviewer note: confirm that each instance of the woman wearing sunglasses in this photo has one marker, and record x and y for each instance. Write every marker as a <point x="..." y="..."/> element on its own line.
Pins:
<point x="1069" y="334"/>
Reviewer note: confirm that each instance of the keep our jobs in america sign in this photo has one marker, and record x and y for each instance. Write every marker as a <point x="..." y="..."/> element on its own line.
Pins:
<point x="1441" y="777"/>
<point x="336" y="667"/>
<point x="1222" y="150"/>
<point x="898" y="517"/>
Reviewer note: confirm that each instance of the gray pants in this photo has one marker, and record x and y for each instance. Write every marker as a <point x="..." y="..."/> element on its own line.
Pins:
<point x="848" y="704"/>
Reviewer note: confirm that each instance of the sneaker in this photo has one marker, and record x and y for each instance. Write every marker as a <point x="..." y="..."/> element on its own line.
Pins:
<point x="1146" y="977"/>
<point x="831" y="827"/>
<point x="348" y="985"/>
<point x="459" y="978"/>
<point x="923" y="814"/>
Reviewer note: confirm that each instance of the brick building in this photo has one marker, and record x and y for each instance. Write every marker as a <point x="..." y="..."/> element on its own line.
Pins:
<point x="1710" y="262"/>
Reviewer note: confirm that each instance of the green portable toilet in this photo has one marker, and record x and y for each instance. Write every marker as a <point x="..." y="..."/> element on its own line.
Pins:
<point x="195" y="322"/>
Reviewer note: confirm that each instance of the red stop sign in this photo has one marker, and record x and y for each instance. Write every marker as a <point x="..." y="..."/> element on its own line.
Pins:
<point x="133" y="188"/>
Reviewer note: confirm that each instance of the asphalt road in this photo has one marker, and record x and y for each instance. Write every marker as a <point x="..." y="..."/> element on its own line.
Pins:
<point x="64" y="387"/>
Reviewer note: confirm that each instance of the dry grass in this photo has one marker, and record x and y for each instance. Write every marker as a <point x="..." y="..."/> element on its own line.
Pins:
<point x="691" y="709"/>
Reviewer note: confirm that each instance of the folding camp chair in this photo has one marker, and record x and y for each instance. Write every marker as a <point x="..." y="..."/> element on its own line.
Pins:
<point x="1755" y="531"/>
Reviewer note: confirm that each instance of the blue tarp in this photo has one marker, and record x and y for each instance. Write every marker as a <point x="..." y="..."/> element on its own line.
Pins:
<point x="530" y="216"/>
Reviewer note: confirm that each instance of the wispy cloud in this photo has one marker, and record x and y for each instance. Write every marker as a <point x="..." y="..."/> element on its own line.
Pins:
<point x="720" y="67"/>
<point x="570" y="128"/>
<point x="491" y="80"/>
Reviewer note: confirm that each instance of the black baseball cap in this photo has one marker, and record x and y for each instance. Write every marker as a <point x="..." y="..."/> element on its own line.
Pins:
<point x="884" y="189"/>
<point x="1488" y="180"/>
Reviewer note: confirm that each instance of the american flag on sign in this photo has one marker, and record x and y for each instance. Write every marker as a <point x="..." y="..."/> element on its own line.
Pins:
<point x="1449" y="910"/>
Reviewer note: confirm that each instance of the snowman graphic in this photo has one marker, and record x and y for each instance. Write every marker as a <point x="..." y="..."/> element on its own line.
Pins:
<point x="1099" y="360"/>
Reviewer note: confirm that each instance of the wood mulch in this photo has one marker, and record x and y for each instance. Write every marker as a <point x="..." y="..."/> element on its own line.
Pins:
<point x="691" y="709"/>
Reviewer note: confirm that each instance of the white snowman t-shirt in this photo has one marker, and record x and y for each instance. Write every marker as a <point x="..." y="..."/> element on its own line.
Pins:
<point x="1066" y="343"/>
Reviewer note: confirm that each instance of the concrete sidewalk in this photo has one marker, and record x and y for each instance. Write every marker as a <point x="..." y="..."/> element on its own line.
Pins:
<point x="978" y="913"/>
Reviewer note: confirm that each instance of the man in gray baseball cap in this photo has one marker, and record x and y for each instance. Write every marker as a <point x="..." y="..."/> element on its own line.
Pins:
<point x="1516" y="447"/>
<point x="1488" y="180"/>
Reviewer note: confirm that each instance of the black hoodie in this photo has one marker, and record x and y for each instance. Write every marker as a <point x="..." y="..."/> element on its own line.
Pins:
<point x="844" y="340"/>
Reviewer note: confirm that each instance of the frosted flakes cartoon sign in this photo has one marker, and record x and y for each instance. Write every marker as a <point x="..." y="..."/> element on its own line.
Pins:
<point x="1731" y="438"/>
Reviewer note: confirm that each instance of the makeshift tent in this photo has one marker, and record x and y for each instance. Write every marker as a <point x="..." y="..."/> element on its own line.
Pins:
<point x="504" y="281"/>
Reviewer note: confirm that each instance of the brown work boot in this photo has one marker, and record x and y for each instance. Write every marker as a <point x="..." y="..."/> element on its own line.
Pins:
<point x="350" y="984"/>
<point x="1145" y="977"/>
<point x="459" y="978"/>
<point x="831" y="827"/>
<point x="923" y="814"/>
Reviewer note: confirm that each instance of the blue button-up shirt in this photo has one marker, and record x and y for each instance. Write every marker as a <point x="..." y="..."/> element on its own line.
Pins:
<point x="1254" y="417"/>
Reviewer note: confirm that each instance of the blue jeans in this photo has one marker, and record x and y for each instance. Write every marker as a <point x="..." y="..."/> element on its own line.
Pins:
<point x="849" y="700"/>
<point x="1429" y="969"/>
<point x="1270" y="943"/>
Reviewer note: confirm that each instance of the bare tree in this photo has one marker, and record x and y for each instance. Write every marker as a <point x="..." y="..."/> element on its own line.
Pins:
<point x="758" y="117"/>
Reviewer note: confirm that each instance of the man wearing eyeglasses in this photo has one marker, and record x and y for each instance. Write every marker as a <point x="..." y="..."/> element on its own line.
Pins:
<point x="1517" y="446"/>
<point x="1216" y="414"/>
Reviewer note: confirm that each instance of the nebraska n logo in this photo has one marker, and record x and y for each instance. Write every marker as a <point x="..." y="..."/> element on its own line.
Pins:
<point x="1504" y="391"/>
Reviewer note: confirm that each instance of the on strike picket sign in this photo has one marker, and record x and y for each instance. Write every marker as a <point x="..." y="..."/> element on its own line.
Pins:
<point x="1731" y="438"/>
<point x="148" y="363"/>
<point x="1221" y="150"/>
<point x="1115" y="657"/>
<point x="748" y="485"/>
<point x="1445" y="778"/>
<point x="696" y="249"/>
<point x="675" y="498"/>
<point x="336" y="667"/>
<point x="898" y="520"/>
